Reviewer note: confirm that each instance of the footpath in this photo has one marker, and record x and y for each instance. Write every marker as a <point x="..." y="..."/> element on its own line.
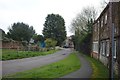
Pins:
<point x="85" y="70"/>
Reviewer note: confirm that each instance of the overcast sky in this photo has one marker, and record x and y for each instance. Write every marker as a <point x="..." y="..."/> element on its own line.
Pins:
<point x="34" y="12"/>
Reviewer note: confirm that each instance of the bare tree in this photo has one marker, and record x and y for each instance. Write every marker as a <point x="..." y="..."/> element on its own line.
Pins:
<point x="80" y="22"/>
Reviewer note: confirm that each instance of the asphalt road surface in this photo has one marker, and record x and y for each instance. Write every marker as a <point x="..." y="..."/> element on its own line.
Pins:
<point x="19" y="65"/>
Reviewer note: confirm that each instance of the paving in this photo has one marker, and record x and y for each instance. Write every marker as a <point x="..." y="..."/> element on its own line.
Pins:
<point x="19" y="65"/>
<point x="85" y="70"/>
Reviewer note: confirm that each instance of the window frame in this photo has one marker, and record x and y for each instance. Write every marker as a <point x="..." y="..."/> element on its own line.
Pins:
<point x="106" y="16"/>
<point x="95" y="46"/>
<point x="115" y="48"/>
<point x="102" y="22"/>
<point x="107" y="47"/>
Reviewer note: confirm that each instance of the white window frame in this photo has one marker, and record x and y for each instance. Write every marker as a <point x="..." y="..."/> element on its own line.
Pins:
<point x="102" y="48"/>
<point x="107" y="48"/>
<point x="106" y="18"/>
<point x="98" y="27"/>
<point x="101" y="22"/>
<point x="103" y="52"/>
<point x="115" y="47"/>
<point x="95" y="47"/>
<point x="98" y="23"/>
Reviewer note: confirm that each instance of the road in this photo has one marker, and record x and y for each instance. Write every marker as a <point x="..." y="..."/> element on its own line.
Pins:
<point x="19" y="65"/>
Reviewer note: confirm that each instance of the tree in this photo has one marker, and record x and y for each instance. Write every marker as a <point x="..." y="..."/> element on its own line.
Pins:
<point x="38" y="38"/>
<point x="54" y="27"/>
<point x="2" y="34"/>
<point x="80" y="22"/>
<point x="82" y="27"/>
<point x="21" y="32"/>
<point x="50" y="43"/>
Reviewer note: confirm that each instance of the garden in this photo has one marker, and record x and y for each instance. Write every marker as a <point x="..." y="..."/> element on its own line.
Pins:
<point x="10" y="54"/>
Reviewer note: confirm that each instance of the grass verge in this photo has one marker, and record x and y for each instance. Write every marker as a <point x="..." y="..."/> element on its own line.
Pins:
<point x="8" y="54"/>
<point x="99" y="70"/>
<point x="54" y="70"/>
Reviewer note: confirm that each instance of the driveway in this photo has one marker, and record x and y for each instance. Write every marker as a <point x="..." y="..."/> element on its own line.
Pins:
<point x="18" y="65"/>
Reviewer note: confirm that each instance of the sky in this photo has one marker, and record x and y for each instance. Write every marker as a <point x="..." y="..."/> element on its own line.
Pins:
<point x="34" y="12"/>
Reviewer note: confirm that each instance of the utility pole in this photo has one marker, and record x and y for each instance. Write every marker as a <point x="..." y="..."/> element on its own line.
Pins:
<point x="112" y="50"/>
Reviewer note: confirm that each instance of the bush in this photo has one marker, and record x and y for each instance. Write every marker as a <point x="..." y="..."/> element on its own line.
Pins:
<point x="50" y="43"/>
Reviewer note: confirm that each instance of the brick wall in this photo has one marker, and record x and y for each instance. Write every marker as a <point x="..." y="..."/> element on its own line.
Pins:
<point x="11" y="44"/>
<point x="104" y="33"/>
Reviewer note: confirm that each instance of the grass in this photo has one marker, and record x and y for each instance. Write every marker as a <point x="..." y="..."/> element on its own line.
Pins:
<point x="99" y="70"/>
<point x="54" y="70"/>
<point x="9" y="54"/>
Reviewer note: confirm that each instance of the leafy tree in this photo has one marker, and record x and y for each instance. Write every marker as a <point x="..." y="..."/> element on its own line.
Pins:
<point x="2" y="34"/>
<point x="38" y="38"/>
<point x="21" y="32"/>
<point x="54" y="27"/>
<point x="50" y="43"/>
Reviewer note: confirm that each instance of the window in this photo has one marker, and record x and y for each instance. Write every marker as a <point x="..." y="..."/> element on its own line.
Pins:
<point x="102" y="48"/>
<point x="106" y="18"/>
<point x="101" y="22"/>
<point x="95" y="47"/>
<point x="95" y="27"/>
<point x="115" y="47"/>
<point x="107" y="48"/>
<point x="98" y="26"/>
<point x="98" y="23"/>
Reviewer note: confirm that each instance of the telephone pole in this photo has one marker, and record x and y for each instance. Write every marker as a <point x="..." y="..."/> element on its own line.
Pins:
<point x="112" y="48"/>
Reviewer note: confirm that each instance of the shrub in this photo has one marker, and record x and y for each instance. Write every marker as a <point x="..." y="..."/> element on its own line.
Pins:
<point x="50" y="43"/>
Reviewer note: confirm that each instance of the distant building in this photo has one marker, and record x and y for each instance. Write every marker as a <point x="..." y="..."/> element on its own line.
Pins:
<point x="68" y="43"/>
<point x="102" y="36"/>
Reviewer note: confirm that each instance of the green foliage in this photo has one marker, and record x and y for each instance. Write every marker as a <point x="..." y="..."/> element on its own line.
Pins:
<point x="54" y="70"/>
<point x="54" y="27"/>
<point x="38" y="38"/>
<point x="50" y="43"/>
<point x="9" y="54"/>
<point x="2" y="34"/>
<point x="82" y="27"/>
<point x="21" y="32"/>
<point x="83" y="39"/>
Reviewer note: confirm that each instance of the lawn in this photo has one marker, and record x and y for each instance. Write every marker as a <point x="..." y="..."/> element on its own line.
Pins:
<point x="54" y="70"/>
<point x="9" y="54"/>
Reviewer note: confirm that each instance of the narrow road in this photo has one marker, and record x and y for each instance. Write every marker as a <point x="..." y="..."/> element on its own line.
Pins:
<point x="85" y="70"/>
<point x="18" y="65"/>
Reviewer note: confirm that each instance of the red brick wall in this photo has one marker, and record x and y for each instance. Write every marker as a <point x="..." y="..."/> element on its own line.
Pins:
<point x="11" y="44"/>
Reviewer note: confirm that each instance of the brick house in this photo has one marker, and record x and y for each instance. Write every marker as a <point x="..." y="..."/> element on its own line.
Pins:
<point x="102" y="35"/>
